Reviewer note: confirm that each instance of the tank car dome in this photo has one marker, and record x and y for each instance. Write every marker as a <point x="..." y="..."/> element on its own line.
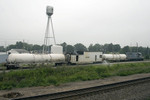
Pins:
<point x="49" y="10"/>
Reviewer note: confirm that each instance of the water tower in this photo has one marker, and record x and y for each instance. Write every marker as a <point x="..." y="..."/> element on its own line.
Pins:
<point x="49" y="12"/>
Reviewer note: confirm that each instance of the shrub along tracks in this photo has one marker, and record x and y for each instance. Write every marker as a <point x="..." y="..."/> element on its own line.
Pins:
<point x="2" y="69"/>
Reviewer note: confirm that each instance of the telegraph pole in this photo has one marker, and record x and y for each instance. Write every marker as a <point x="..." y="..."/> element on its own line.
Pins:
<point x="137" y="46"/>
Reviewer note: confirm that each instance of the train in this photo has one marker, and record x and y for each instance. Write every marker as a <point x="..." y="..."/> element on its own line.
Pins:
<point x="57" y="57"/>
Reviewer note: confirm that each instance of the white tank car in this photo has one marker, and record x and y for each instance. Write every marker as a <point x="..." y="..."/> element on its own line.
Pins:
<point x="56" y="57"/>
<point x="114" y="57"/>
<point x="35" y="58"/>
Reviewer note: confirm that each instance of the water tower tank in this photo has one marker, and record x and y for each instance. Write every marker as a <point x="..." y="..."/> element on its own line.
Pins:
<point x="49" y="10"/>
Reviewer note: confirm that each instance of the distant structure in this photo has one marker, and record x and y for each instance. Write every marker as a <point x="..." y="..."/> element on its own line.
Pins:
<point x="17" y="51"/>
<point x="49" y="12"/>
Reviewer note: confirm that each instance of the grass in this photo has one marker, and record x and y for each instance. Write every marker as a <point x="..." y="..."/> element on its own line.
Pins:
<point x="1" y="65"/>
<point x="55" y="76"/>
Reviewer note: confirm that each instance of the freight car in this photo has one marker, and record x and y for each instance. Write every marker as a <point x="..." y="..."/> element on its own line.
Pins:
<point x="15" y="59"/>
<point x="129" y="56"/>
<point x="57" y="57"/>
<point x="85" y="58"/>
<point x="114" y="57"/>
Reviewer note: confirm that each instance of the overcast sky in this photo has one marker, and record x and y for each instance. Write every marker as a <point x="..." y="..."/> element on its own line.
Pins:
<point x="124" y="22"/>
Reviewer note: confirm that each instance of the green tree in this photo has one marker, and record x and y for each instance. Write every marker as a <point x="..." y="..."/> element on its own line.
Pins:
<point x="96" y="48"/>
<point x="147" y="53"/>
<point x="37" y="47"/>
<point x="110" y="47"/>
<point x="19" y="45"/>
<point x="69" y="49"/>
<point x="106" y="49"/>
<point x="125" y="49"/>
<point x="116" y="48"/>
<point x="2" y="49"/>
<point x="80" y="47"/>
<point x="28" y="47"/>
<point x="90" y="48"/>
<point x="64" y="45"/>
<point x="11" y="47"/>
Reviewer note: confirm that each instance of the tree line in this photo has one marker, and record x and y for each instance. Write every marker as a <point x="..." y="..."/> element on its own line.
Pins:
<point x="67" y="48"/>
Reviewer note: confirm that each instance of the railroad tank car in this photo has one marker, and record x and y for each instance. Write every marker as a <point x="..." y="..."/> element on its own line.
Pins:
<point x="57" y="57"/>
<point x="35" y="58"/>
<point x="15" y="59"/>
<point x="114" y="57"/>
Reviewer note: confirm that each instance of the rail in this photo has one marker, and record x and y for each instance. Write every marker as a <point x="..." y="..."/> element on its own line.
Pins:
<point x="86" y="91"/>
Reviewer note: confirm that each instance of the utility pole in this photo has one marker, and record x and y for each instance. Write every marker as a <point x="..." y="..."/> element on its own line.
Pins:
<point x="137" y="46"/>
<point x="23" y="44"/>
<point x="148" y="51"/>
<point x="130" y="47"/>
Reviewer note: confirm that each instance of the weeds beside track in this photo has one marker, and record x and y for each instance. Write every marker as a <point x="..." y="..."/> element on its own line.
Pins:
<point x="45" y="76"/>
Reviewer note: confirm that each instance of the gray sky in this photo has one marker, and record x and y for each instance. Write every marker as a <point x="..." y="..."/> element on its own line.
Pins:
<point x="123" y="22"/>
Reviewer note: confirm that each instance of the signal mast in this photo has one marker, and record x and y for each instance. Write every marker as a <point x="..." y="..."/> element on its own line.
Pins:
<point x="49" y="12"/>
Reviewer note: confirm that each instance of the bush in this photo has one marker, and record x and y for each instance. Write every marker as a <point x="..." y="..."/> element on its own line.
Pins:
<point x="45" y="76"/>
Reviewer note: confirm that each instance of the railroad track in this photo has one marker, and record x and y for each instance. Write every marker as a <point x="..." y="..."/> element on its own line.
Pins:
<point x="80" y="93"/>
